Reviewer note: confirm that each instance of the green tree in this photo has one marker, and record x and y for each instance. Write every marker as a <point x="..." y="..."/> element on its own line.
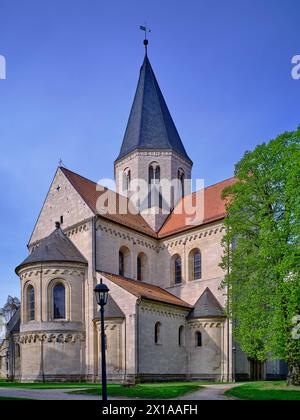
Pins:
<point x="261" y="252"/>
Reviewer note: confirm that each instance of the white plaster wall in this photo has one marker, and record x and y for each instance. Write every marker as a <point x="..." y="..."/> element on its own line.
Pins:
<point x="167" y="357"/>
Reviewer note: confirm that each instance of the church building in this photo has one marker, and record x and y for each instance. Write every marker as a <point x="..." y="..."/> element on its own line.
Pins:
<point x="165" y="317"/>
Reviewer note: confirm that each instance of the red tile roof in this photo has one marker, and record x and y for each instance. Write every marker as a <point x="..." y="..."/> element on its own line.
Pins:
<point x="214" y="207"/>
<point x="88" y="191"/>
<point x="146" y="291"/>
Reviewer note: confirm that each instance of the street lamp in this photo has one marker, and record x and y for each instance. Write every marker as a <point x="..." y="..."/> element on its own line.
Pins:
<point x="101" y="293"/>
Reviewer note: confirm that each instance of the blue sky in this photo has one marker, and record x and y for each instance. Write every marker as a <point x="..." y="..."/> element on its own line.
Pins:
<point x="72" y="67"/>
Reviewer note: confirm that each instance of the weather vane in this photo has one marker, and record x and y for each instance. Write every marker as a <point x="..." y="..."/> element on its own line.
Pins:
<point x="146" y="30"/>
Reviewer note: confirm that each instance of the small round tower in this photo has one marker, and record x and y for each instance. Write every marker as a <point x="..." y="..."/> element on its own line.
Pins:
<point x="52" y="312"/>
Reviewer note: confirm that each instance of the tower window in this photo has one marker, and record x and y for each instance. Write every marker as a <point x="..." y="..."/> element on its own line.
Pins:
<point x="154" y="173"/>
<point x="181" y="178"/>
<point x="155" y="197"/>
<point x="126" y="180"/>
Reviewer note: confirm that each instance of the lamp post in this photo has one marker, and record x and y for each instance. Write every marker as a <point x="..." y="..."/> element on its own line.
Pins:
<point x="101" y="293"/>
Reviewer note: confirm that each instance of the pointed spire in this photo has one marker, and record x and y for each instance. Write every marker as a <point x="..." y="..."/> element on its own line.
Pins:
<point x="150" y="125"/>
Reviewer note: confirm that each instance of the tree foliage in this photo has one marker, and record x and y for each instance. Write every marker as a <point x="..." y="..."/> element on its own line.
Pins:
<point x="261" y="250"/>
<point x="11" y="306"/>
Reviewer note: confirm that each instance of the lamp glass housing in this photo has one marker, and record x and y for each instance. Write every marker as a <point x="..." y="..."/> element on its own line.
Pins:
<point x="101" y="293"/>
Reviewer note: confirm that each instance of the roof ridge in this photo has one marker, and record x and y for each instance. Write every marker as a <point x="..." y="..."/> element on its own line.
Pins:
<point x="81" y="176"/>
<point x="207" y="305"/>
<point x="220" y="182"/>
<point x="192" y="194"/>
<point x="156" y="87"/>
<point x="142" y="284"/>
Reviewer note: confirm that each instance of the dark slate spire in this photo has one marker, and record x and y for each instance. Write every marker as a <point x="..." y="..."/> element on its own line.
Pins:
<point x="207" y="306"/>
<point x="150" y="124"/>
<point x="56" y="247"/>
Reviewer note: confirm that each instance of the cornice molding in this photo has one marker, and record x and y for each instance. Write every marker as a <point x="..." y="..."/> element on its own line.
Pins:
<point x="155" y="309"/>
<point x="205" y="324"/>
<point x="29" y="273"/>
<point x="53" y="337"/>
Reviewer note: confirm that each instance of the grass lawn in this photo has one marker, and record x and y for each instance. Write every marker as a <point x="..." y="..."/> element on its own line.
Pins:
<point x="48" y="385"/>
<point x="164" y="390"/>
<point x="161" y="391"/>
<point x="11" y="398"/>
<point x="265" y="391"/>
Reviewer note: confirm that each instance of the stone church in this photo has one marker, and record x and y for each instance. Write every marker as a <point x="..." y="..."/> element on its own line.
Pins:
<point x="165" y="317"/>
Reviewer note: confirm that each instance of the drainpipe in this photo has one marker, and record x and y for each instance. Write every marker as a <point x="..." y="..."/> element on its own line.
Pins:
<point x="137" y="311"/>
<point x="94" y="275"/>
<point x="41" y="320"/>
<point x="228" y="320"/>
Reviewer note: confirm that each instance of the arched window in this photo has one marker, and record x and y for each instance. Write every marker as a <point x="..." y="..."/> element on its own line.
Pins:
<point x="154" y="172"/>
<point x="139" y="268"/>
<point x="177" y="270"/>
<point x="198" y="337"/>
<point x="125" y="262"/>
<point x="30" y="303"/>
<point x="157" y="333"/>
<point x="121" y="263"/>
<point x="126" y="180"/>
<point x="181" y="178"/>
<point x="155" y="197"/>
<point x="197" y="260"/>
<point x="142" y="267"/>
<point x="181" y="336"/>
<point x="195" y="265"/>
<point x="157" y="173"/>
<point x="59" y="301"/>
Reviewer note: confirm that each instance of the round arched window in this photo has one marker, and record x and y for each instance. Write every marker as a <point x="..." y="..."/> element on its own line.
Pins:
<point x="157" y="333"/>
<point x="30" y="303"/>
<point x="59" y="301"/>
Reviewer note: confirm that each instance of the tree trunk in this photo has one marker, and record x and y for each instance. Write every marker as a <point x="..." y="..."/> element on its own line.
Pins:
<point x="293" y="377"/>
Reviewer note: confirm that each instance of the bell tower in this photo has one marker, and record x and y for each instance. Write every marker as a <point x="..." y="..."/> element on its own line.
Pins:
<point x="152" y="153"/>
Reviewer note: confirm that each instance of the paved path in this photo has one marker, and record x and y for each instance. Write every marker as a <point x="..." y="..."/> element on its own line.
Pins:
<point x="208" y="392"/>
